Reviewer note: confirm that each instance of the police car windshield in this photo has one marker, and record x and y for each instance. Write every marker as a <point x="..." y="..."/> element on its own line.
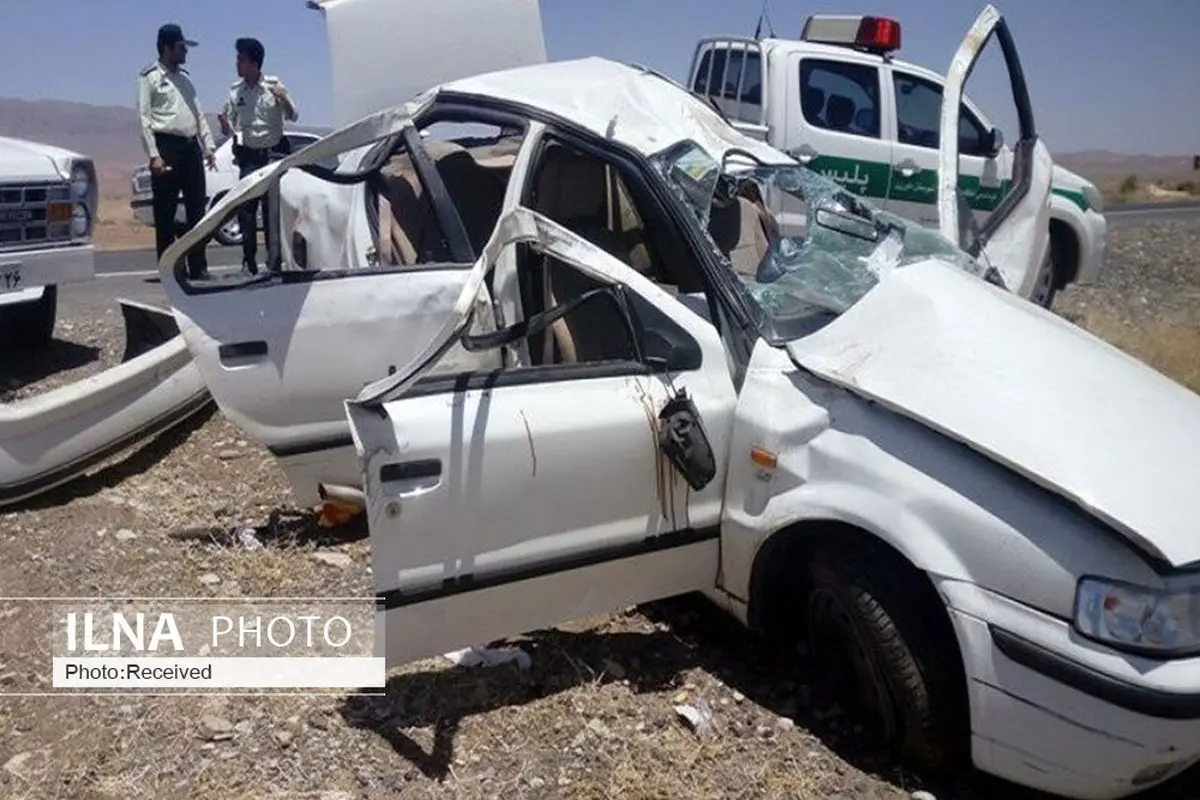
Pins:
<point x="803" y="248"/>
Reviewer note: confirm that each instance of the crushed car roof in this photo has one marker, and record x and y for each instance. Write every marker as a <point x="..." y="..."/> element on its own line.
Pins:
<point x="631" y="105"/>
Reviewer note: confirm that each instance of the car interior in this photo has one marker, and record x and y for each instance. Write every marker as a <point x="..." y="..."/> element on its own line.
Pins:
<point x="585" y="194"/>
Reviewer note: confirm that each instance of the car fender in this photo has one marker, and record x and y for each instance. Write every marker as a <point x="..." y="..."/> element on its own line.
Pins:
<point x="1066" y="210"/>
<point x="51" y="438"/>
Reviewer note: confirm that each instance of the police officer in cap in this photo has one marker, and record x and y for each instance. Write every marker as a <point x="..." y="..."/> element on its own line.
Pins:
<point x="254" y="114"/>
<point x="176" y="139"/>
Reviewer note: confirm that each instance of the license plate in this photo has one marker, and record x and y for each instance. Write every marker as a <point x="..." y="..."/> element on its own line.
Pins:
<point x="11" y="215"/>
<point x="10" y="278"/>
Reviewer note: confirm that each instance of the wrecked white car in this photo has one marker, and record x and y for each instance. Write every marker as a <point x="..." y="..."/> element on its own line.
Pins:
<point x="601" y="373"/>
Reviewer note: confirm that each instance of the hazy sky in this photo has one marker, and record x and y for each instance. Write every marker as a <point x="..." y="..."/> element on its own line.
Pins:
<point x="1103" y="74"/>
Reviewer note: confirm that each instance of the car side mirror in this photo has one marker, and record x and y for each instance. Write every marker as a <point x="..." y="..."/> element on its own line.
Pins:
<point x="994" y="142"/>
<point x="682" y="439"/>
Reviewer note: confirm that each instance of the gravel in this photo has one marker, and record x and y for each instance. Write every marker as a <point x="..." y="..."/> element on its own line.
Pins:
<point x="201" y="510"/>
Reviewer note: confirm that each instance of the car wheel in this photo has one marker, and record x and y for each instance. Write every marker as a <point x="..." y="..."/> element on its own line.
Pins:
<point x="229" y="234"/>
<point x="30" y="325"/>
<point x="882" y="647"/>
<point x="1044" y="288"/>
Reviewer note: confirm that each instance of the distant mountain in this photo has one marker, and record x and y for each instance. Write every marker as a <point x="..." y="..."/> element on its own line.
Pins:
<point x="109" y="134"/>
<point x="1101" y="165"/>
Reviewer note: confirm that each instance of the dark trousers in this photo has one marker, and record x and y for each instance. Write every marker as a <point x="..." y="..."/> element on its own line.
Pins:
<point x="186" y="176"/>
<point x="249" y="159"/>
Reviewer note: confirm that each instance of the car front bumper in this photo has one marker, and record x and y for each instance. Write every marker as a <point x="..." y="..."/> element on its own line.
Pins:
<point x="1053" y="711"/>
<point x="27" y="269"/>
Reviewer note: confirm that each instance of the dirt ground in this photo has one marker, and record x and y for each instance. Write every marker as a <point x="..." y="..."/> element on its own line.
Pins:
<point x="116" y="229"/>
<point x="591" y="718"/>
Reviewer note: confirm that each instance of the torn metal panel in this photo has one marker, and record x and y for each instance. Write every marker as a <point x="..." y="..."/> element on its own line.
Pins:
<point x="382" y="52"/>
<point x="51" y="438"/>
<point x="366" y="131"/>
<point x="1029" y="390"/>
<point x="640" y="109"/>
<point x="960" y="66"/>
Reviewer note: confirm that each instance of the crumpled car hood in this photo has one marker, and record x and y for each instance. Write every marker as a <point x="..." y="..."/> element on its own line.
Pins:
<point x="1031" y="391"/>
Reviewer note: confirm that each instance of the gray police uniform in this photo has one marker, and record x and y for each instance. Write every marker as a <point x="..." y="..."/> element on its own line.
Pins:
<point x="256" y="117"/>
<point x="173" y="128"/>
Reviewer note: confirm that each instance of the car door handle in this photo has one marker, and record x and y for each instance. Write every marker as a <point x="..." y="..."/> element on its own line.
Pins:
<point x="420" y="469"/>
<point x="414" y="477"/>
<point x="242" y="351"/>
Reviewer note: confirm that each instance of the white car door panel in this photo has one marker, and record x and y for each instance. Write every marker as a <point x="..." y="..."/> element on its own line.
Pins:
<point x="1016" y="237"/>
<point x="505" y="501"/>
<point x="280" y="358"/>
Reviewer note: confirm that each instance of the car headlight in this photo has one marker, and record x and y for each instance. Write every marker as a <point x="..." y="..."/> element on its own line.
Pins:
<point x="1094" y="197"/>
<point x="1138" y="618"/>
<point x="81" y="181"/>
<point x="81" y="221"/>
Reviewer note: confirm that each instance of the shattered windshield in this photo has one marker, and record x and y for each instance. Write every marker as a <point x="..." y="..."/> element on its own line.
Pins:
<point x="804" y="249"/>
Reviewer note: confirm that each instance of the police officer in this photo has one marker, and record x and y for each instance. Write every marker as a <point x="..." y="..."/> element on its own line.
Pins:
<point x="254" y="114"/>
<point x="176" y="139"/>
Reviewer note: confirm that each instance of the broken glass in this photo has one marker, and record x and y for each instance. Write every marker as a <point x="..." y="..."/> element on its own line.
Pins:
<point x="823" y="247"/>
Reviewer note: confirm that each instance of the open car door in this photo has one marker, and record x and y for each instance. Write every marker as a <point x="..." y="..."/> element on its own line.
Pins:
<point x="1015" y="239"/>
<point x="281" y="351"/>
<point x="503" y="501"/>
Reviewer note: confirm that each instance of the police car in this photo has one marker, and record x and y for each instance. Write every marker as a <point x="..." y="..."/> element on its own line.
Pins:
<point x="839" y="102"/>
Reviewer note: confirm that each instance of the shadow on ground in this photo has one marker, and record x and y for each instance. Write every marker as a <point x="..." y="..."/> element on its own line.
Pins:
<point x="20" y="369"/>
<point x="698" y="636"/>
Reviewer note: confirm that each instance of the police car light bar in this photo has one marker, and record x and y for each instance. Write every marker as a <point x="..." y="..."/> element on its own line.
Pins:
<point x="875" y="34"/>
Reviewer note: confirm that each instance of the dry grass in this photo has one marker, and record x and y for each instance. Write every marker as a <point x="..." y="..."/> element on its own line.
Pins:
<point x="116" y="229"/>
<point x="1170" y="346"/>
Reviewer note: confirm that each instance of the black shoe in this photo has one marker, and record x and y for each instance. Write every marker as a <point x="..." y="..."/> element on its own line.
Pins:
<point x="249" y="267"/>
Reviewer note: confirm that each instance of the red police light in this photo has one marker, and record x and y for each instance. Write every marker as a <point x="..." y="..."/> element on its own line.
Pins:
<point x="878" y="34"/>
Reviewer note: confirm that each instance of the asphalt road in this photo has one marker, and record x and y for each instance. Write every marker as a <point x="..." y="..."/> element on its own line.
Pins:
<point x="1141" y="212"/>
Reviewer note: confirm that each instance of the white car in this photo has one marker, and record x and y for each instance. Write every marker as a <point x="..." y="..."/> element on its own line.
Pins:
<point x="217" y="183"/>
<point x="600" y="373"/>
<point x="48" y="204"/>
<point x="839" y="101"/>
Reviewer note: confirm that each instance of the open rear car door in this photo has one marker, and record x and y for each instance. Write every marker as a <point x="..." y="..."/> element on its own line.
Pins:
<point x="1015" y="239"/>
<point x="504" y="501"/>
